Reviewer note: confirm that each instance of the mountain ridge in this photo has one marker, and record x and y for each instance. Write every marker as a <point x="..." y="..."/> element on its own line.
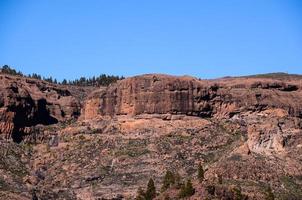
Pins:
<point x="106" y="142"/>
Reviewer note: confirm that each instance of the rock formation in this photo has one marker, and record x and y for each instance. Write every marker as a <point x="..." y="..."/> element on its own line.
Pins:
<point x="162" y="94"/>
<point x="26" y="102"/>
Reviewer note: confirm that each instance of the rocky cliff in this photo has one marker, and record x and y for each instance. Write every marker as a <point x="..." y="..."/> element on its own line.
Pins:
<point x="162" y="94"/>
<point x="26" y="102"/>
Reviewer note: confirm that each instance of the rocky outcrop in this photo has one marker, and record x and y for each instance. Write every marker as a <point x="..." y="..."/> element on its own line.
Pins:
<point x="162" y="94"/>
<point x="26" y="102"/>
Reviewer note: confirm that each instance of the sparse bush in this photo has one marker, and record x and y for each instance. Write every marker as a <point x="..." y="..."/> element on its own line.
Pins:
<point x="210" y="189"/>
<point x="269" y="195"/>
<point x="140" y="194"/>
<point x="237" y="194"/>
<point x="82" y="138"/>
<point x="166" y="197"/>
<point x="219" y="178"/>
<point x="235" y="157"/>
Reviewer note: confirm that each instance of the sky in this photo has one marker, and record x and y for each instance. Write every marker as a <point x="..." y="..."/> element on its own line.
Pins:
<point x="202" y="38"/>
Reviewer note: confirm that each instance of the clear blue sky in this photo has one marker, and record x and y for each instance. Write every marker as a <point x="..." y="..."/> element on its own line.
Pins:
<point x="204" y="38"/>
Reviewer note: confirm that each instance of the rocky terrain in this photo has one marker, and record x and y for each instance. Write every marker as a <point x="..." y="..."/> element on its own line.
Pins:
<point x="63" y="142"/>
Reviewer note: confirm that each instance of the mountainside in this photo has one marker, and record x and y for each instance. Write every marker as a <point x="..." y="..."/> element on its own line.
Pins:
<point x="63" y="142"/>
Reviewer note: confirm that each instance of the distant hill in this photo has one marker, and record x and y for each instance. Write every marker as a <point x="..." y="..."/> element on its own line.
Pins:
<point x="276" y="75"/>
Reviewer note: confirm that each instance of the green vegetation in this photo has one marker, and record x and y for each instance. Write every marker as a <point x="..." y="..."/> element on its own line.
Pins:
<point x="140" y="194"/>
<point x="237" y="193"/>
<point x="132" y="152"/>
<point x="277" y="75"/>
<point x="101" y="80"/>
<point x="219" y="179"/>
<point x="178" y="182"/>
<point x="134" y="148"/>
<point x="187" y="190"/>
<point x="7" y="70"/>
<point x="269" y="194"/>
<point x="151" y="190"/>
<point x="149" y="194"/>
<point x="235" y="157"/>
<point x="4" y="185"/>
<point x="293" y="189"/>
<point x="169" y="180"/>
<point x="210" y="189"/>
<point x="200" y="172"/>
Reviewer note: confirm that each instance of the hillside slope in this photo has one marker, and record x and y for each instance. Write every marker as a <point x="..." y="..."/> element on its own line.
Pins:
<point x="245" y="132"/>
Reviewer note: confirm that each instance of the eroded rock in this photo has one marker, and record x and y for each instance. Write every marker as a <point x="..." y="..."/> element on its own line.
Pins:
<point x="162" y="94"/>
<point x="27" y="102"/>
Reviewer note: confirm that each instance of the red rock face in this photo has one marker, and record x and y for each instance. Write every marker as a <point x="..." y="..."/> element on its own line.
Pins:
<point x="26" y="102"/>
<point x="162" y="94"/>
<point x="155" y="94"/>
<point x="150" y="94"/>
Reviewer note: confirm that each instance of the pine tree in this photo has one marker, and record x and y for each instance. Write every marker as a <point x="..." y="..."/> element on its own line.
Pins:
<point x="8" y="70"/>
<point x="186" y="190"/>
<point x="101" y="80"/>
<point x="182" y="192"/>
<point x="190" y="189"/>
<point x="169" y="180"/>
<point x="178" y="182"/>
<point x="200" y="173"/>
<point x="151" y="190"/>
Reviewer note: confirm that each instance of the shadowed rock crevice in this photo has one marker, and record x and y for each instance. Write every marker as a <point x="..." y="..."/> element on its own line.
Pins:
<point x="28" y="115"/>
<point x="25" y="103"/>
<point x="43" y="115"/>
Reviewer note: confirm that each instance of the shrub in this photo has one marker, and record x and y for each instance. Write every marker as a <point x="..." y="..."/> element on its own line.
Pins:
<point x="269" y="195"/>
<point x="140" y="194"/>
<point x="210" y="189"/>
<point x="220" y="179"/>
<point x="237" y="194"/>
